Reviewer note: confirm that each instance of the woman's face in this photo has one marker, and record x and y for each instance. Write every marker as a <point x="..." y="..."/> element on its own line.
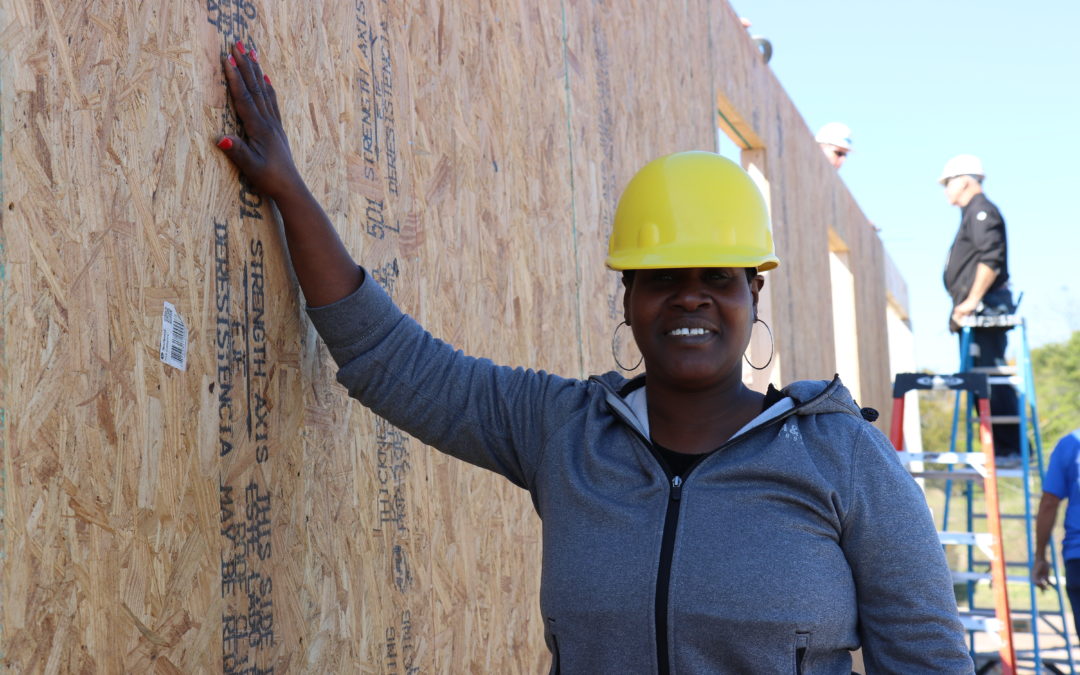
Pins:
<point x="692" y="325"/>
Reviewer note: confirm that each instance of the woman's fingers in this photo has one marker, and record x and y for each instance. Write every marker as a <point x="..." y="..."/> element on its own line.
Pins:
<point x="246" y="108"/>
<point x="248" y="65"/>
<point x="263" y="154"/>
<point x="250" y="89"/>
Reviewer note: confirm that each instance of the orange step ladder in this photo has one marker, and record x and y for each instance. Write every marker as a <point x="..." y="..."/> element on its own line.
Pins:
<point x="978" y="466"/>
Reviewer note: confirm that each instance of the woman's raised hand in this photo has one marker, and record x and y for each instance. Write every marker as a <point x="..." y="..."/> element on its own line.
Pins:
<point x="323" y="266"/>
<point x="264" y="157"/>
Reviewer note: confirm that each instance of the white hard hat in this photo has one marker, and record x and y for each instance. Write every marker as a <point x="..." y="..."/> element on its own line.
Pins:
<point x="962" y="165"/>
<point x="835" y="133"/>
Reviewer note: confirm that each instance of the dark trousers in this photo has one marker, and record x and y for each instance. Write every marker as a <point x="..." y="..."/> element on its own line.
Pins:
<point x="988" y="349"/>
<point x="1072" y="588"/>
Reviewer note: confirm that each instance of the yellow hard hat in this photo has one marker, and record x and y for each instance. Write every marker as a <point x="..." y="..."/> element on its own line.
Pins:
<point x="691" y="209"/>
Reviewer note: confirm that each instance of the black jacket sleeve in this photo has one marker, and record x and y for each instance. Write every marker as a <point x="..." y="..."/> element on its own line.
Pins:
<point x="988" y="237"/>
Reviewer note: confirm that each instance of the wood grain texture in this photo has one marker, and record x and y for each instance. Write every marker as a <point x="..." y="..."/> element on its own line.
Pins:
<point x="243" y="513"/>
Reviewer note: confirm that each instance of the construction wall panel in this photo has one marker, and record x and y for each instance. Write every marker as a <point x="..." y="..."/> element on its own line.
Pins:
<point x="807" y="198"/>
<point x="620" y="81"/>
<point x="240" y="513"/>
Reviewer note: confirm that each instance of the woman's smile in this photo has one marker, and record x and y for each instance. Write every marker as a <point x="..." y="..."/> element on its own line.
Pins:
<point x="693" y="333"/>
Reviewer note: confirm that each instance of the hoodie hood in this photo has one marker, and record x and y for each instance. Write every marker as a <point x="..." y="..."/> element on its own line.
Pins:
<point x="814" y="397"/>
<point x="811" y="397"/>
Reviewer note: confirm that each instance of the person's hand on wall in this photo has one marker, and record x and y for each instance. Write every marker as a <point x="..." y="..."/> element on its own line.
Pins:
<point x="264" y="156"/>
<point x="323" y="266"/>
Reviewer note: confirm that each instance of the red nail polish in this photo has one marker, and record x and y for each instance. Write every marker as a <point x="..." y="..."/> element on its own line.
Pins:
<point x="240" y="47"/>
<point x="254" y="56"/>
<point x="232" y="60"/>
<point x="267" y="79"/>
<point x="225" y="143"/>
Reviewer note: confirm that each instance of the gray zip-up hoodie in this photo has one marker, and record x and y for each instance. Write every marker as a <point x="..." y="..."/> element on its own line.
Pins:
<point x="800" y="539"/>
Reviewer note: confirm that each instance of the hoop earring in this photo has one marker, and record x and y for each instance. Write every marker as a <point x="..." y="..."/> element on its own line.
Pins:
<point x="772" y="347"/>
<point x="614" y="349"/>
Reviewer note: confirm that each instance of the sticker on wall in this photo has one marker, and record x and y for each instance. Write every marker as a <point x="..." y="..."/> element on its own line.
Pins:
<point x="174" y="338"/>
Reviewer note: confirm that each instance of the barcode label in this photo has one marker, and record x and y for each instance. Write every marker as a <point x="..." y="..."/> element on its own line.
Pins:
<point x="174" y="338"/>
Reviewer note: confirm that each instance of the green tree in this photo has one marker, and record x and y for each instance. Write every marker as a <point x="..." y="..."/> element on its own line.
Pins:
<point x="1057" y="385"/>
<point x="935" y="419"/>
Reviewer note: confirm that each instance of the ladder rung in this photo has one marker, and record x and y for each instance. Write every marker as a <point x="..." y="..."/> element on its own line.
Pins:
<point x="959" y="474"/>
<point x="1010" y="473"/>
<point x="1000" y="419"/>
<point x="959" y="576"/>
<point x="1012" y="380"/>
<point x="970" y="458"/>
<point x="1017" y="563"/>
<point x="1024" y="614"/>
<point x="966" y="538"/>
<point x="977" y="460"/>
<point x="1004" y="516"/>
<point x="966" y="474"/>
<point x="1019" y="617"/>
<point x="998" y="321"/>
<point x="994" y="370"/>
<point x="989" y="624"/>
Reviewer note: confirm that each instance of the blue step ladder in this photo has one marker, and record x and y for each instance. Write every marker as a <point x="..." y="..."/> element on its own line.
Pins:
<point x="1042" y="637"/>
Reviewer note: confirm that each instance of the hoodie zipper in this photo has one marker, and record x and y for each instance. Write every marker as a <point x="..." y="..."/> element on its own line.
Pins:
<point x="667" y="544"/>
<point x="663" y="573"/>
<point x="671" y="519"/>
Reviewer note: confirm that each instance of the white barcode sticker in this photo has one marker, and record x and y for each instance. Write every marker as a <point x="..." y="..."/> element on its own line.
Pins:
<point x="174" y="338"/>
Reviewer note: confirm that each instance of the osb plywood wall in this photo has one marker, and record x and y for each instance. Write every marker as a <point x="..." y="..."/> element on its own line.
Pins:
<point x="242" y="514"/>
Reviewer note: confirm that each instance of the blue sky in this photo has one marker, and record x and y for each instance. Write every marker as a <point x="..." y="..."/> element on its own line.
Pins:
<point x="921" y="81"/>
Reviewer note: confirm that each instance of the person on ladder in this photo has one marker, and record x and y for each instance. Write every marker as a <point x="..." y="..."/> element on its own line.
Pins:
<point x="1062" y="481"/>
<point x="977" y="279"/>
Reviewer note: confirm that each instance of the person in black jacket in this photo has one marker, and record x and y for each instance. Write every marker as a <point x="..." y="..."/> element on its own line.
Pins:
<point x="977" y="279"/>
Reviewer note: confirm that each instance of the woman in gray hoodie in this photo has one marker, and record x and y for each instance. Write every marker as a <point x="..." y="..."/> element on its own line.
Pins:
<point x="690" y="524"/>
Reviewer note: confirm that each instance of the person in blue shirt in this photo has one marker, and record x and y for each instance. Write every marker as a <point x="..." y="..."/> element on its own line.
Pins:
<point x="1062" y="481"/>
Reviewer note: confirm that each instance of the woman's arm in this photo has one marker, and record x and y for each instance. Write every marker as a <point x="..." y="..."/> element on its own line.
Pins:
<point x="491" y="416"/>
<point x="323" y="266"/>
<point x="908" y="621"/>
